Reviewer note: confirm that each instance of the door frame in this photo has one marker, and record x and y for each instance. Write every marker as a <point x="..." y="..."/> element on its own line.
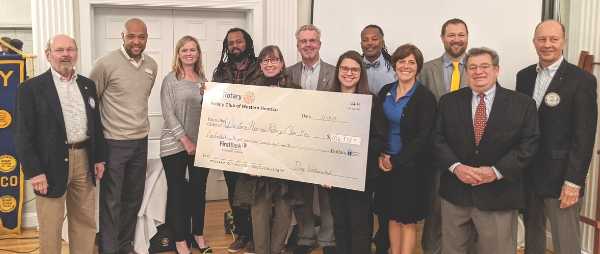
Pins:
<point x="254" y="18"/>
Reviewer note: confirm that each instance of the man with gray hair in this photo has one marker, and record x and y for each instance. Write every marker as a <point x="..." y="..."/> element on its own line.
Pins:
<point x="124" y="79"/>
<point x="314" y="74"/>
<point x="59" y="141"/>
<point x="484" y="138"/>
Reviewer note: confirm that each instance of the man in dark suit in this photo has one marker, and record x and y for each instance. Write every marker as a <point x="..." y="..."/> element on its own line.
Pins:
<point x="60" y="144"/>
<point x="566" y="99"/>
<point x="314" y="74"/>
<point x="484" y="138"/>
<point x="443" y="75"/>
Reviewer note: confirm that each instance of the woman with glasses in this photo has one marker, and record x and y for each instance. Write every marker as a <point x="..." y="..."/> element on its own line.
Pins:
<point x="269" y="198"/>
<point x="409" y="111"/>
<point x="181" y="101"/>
<point x="351" y="210"/>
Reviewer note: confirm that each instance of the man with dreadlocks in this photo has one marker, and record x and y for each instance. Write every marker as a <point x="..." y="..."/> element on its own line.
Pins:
<point x="237" y="65"/>
<point x="380" y="71"/>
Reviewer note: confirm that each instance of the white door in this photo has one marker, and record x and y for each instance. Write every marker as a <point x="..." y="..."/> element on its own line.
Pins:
<point x="165" y="27"/>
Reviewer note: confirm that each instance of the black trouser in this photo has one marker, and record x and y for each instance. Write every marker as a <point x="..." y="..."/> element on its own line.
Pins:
<point x="382" y="237"/>
<point x="121" y="193"/>
<point x="352" y="220"/>
<point x="183" y="202"/>
<point x="241" y="216"/>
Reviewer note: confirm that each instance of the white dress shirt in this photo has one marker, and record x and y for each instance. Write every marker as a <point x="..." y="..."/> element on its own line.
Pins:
<point x="72" y="105"/>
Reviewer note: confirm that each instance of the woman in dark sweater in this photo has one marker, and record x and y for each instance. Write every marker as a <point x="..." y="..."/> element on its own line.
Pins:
<point x="352" y="210"/>
<point x="408" y="117"/>
<point x="269" y="198"/>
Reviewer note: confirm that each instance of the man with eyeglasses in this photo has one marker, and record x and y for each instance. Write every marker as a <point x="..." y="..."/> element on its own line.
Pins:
<point x="59" y="142"/>
<point x="124" y="79"/>
<point x="443" y="75"/>
<point x="484" y="138"/>
<point x="312" y="73"/>
<point x="238" y="65"/>
<point x="565" y="97"/>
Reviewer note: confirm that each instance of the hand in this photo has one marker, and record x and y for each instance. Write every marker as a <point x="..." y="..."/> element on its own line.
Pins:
<point x="188" y="145"/>
<point x="202" y="88"/>
<point x="384" y="162"/>
<point x="487" y="175"/>
<point x="99" y="170"/>
<point x="467" y="174"/>
<point x="40" y="184"/>
<point x="569" y="195"/>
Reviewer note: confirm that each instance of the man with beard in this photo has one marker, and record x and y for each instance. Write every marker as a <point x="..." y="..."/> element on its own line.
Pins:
<point x="59" y="142"/>
<point x="314" y="74"/>
<point x="238" y="65"/>
<point x="443" y="75"/>
<point x="124" y="79"/>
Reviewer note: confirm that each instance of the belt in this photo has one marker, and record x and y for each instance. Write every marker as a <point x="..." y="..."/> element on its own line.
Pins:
<point x="78" y="145"/>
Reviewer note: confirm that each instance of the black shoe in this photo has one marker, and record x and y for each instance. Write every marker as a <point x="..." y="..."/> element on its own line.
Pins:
<point x="302" y="249"/>
<point x="237" y="245"/>
<point x="206" y="250"/>
<point x="329" y="250"/>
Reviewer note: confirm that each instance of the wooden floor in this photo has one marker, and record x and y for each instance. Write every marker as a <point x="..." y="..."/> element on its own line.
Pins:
<point x="217" y="239"/>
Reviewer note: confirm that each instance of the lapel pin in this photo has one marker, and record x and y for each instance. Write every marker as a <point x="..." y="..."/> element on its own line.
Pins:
<point x="92" y="102"/>
<point x="552" y="99"/>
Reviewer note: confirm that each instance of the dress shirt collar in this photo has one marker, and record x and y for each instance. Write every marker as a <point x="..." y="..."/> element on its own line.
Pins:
<point x="58" y="76"/>
<point x="374" y="64"/>
<point x="552" y="68"/>
<point x="305" y="67"/>
<point x="131" y="59"/>
<point x="489" y="94"/>
<point x="447" y="60"/>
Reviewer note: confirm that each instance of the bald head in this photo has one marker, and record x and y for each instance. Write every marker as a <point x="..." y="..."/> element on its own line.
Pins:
<point x="549" y="42"/>
<point x="551" y="23"/>
<point x="135" y="37"/>
<point x="61" y="38"/>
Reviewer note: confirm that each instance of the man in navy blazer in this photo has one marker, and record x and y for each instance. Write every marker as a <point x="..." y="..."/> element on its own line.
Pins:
<point x="60" y="145"/>
<point x="566" y="99"/>
<point x="485" y="136"/>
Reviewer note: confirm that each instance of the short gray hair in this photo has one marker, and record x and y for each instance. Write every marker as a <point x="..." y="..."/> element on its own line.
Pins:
<point x="483" y="51"/>
<point x="309" y="27"/>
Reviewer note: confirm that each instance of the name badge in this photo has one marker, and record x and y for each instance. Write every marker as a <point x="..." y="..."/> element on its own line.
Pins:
<point x="150" y="72"/>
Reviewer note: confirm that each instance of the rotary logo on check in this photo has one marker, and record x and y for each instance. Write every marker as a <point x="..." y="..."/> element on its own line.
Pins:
<point x="248" y="97"/>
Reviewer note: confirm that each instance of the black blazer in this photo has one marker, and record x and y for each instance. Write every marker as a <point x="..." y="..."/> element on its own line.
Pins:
<point x="41" y="138"/>
<point x="418" y="120"/>
<point x="568" y="129"/>
<point x="509" y="143"/>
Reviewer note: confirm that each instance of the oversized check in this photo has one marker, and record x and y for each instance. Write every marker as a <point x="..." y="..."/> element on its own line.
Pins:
<point x="301" y="135"/>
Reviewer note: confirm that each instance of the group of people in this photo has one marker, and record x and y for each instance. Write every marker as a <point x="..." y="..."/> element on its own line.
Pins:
<point x="448" y="145"/>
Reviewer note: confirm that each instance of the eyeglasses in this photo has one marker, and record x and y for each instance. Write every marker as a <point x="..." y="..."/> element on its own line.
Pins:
<point x="483" y="67"/>
<point x="270" y="60"/>
<point x="346" y="69"/>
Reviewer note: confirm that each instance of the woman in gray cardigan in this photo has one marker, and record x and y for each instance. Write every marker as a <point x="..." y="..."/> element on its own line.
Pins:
<point x="181" y="101"/>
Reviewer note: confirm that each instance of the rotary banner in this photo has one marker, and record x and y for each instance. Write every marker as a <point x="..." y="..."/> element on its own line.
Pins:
<point x="12" y="73"/>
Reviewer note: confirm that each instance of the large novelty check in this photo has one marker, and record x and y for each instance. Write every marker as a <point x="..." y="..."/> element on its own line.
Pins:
<point x="301" y="135"/>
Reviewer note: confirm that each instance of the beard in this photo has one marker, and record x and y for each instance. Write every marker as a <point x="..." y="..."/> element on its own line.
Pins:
<point x="236" y="58"/>
<point x="454" y="54"/>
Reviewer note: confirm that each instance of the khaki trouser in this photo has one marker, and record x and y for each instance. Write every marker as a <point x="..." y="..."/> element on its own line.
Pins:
<point x="80" y="200"/>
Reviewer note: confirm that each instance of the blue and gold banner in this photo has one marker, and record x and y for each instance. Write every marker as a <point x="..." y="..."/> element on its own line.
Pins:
<point x="12" y="73"/>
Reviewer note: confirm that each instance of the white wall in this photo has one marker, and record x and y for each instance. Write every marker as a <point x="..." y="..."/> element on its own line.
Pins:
<point x="15" y="13"/>
<point x="505" y="26"/>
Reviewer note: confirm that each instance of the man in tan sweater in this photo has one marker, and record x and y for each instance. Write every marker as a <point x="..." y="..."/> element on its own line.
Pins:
<point x="124" y="79"/>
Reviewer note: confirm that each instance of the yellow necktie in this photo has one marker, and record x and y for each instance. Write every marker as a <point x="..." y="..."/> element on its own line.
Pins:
<point x="455" y="83"/>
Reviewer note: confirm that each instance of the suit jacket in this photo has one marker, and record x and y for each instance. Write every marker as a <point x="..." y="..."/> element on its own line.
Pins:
<point x="432" y="77"/>
<point x="41" y="138"/>
<point x="568" y="129"/>
<point x="509" y="143"/>
<point x="326" y="75"/>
